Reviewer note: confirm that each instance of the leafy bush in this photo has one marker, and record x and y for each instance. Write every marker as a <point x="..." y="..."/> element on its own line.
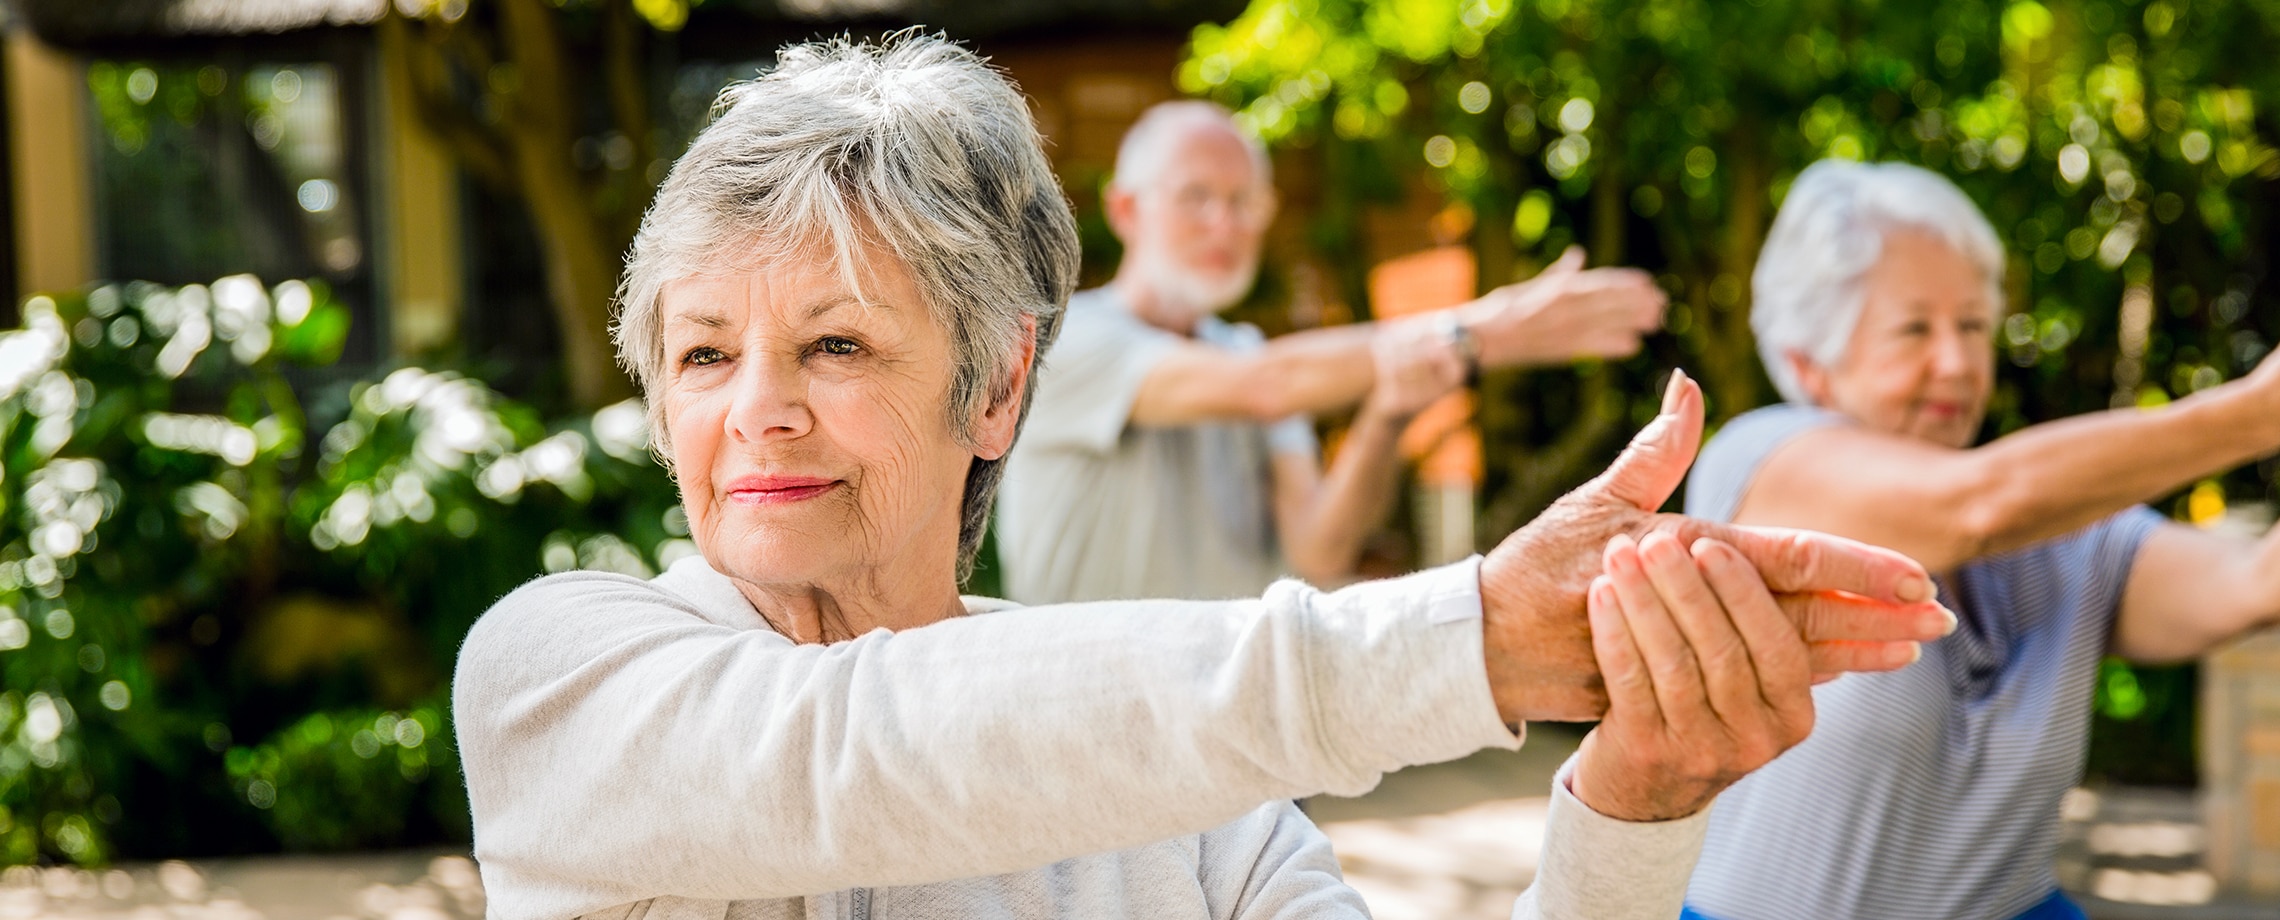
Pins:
<point x="297" y="778"/>
<point x="185" y="565"/>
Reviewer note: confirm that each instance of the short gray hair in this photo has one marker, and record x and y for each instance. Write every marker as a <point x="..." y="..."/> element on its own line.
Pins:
<point x="1807" y="291"/>
<point x="912" y="143"/>
<point x="1147" y="145"/>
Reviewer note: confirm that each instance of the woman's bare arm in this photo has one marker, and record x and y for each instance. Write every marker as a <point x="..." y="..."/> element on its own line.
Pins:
<point x="1944" y="506"/>
<point x="2190" y="590"/>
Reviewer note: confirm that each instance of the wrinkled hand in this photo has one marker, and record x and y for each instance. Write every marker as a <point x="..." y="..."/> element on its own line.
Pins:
<point x="1564" y="313"/>
<point x="1707" y="679"/>
<point x="1416" y="363"/>
<point x="1862" y="608"/>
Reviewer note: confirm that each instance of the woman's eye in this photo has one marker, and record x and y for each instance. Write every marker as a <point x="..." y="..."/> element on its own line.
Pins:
<point x="836" y="345"/>
<point x="701" y="356"/>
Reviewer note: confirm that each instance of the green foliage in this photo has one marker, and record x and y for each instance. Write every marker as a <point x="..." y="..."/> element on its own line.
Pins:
<point x="183" y="563"/>
<point x="298" y="777"/>
<point x="2123" y="149"/>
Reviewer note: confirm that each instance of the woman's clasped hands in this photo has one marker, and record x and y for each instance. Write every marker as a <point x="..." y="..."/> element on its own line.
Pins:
<point x="1707" y="679"/>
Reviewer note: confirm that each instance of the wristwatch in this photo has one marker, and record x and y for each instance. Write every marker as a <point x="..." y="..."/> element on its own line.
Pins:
<point x="1461" y="337"/>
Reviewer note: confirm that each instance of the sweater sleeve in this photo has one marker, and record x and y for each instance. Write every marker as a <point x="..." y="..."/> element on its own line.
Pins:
<point x="620" y="747"/>
<point x="1275" y="864"/>
<point x="1599" y="868"/>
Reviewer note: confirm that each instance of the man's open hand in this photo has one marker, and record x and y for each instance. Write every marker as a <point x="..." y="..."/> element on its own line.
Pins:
<point x="1565" y="313"/>
<point x="1861" y="608"/>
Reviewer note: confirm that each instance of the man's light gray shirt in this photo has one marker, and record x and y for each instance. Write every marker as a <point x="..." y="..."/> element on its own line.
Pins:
<point x="1096" y="508"/>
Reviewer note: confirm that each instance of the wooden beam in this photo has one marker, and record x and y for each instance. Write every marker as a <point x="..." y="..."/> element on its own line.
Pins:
<point x="47" y="148"/>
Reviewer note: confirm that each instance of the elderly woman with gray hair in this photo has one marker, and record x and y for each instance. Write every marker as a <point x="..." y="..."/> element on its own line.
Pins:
<point x="1934" y="791"/>
<point x="835" y="307"/>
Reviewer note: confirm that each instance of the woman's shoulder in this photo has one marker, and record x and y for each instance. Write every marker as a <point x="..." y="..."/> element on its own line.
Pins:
<point x="1730" y="460"/>
<point x="583" y="606"/>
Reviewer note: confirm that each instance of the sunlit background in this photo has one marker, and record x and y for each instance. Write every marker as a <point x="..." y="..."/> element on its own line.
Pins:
<point x="308" y="360"/>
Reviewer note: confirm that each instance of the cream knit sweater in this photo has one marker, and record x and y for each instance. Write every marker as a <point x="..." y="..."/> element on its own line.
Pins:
<point x="650" y="749"/>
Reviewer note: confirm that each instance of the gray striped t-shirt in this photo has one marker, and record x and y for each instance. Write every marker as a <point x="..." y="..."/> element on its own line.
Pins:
<point x="1932" y="791"/>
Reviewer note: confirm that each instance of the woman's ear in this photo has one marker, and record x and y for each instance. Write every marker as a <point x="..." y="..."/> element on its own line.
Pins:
<point x="1001" y="420"/>
<point x="1811" y="378"/>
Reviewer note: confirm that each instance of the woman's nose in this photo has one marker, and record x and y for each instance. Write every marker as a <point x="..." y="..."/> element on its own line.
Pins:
<point x="1951" y="352"/>
<point x="770" y="402"/>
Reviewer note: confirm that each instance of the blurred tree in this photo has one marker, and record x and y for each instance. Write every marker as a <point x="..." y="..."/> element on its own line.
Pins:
<point x="2115" y="145"/>
<point x="513" y="86"/>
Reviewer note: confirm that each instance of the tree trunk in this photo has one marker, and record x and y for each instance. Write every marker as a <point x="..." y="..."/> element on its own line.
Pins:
<point x="581" y="257"/>
<point x="1727" y="347"/>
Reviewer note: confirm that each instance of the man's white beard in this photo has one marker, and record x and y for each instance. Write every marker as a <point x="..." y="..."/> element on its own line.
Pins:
<point x="1197" y="294"/>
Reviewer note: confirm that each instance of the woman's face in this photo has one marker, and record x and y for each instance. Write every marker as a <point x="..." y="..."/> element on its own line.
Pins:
<point x="1921" y="361"/>
<point x="809" y="429"/>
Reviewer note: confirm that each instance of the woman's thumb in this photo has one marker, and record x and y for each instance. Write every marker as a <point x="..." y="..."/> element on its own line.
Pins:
<point x="1655" y="462"/>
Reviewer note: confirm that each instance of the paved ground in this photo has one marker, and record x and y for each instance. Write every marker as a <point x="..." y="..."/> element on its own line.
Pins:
<point x="1449" y="842"/>
<point x="1459" y="840"/>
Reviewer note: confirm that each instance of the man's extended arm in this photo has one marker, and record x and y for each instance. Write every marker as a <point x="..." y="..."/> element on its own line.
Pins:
<point x="1564" y="313"/>
<point x="1323" y="519"/>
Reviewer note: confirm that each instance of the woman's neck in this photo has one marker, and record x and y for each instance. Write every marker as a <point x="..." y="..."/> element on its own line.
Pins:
<point x="818" y="613"/>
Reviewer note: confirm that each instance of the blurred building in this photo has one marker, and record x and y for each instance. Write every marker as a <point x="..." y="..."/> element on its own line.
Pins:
<point x="177" y="141"/>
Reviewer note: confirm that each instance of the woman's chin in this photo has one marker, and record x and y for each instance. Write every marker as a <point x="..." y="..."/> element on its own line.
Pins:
<point x="775" y="555"/>
<point x="1955" y="431"/>
<point x="762" y="570"/>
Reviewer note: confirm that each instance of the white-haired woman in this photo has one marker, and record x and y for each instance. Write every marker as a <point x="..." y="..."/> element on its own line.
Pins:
<point x="834" y="307"/>
<point x="1934" y="791"/>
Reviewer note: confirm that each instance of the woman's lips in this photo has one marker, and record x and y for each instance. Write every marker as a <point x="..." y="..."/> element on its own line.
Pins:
<point x="1943" y="409"/>
<point x="778" y="490"/>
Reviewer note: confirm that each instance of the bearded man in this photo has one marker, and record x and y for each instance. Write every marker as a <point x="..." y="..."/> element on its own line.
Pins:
<point x="1170" y="453"/>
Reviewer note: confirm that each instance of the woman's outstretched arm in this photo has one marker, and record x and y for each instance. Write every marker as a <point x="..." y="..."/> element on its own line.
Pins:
<point x="622" y="744"/>
<point x="1944" y="506"/>
<point x="2190" y="590"/>
<point x="619" y="746"/>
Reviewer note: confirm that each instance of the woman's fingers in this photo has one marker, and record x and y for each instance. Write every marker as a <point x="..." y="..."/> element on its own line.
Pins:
<point x="1630" y="689"/>
<point x="1729" y="676"/>
<point x="1841" y="655"/>
<point x="1783" y="664"/>
<point x="1830" y="617"/>
<point x="1679" y="688"/>
<point x="1804" y="562"/>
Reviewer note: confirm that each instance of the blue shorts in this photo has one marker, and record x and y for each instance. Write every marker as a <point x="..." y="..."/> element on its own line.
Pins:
<point x="2056" y="907"/>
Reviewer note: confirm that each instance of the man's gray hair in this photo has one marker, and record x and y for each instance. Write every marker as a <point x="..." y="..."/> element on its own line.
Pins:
<point x="1808" y="289"/>
<point x="914" y="145"/>
<point x="1147" y="146"/>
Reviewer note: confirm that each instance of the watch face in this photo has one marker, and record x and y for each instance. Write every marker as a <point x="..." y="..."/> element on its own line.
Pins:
<point x="1467" y="344"/>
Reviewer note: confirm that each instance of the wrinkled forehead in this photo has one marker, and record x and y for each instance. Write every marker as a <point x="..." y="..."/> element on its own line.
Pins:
<point x="787" y="283"/>
<point x="1918" y="272"/>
